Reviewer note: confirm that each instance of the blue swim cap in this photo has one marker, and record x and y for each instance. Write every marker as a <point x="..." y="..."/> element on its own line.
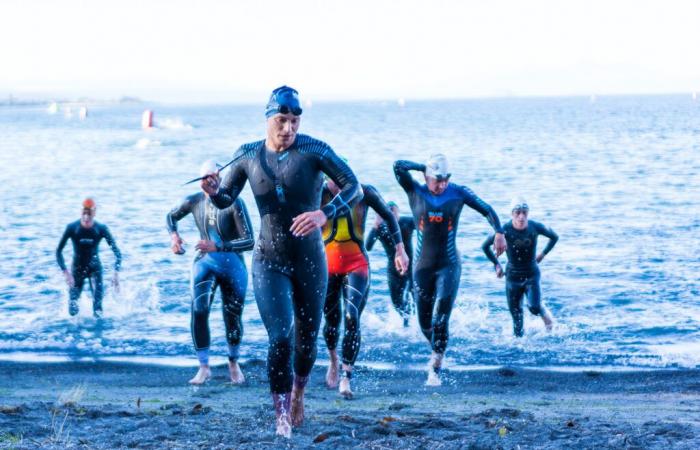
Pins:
<point x="283" y="100"/>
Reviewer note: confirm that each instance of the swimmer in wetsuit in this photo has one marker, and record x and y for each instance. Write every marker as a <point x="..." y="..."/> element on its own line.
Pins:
<point x="290" y="274"/>
<point x="400" y="286"/>
<point x="436" y="207"/>
<point x="86" y="234"/>
<point x="348" y="274"/>
<point x="522" y="271"/>
<point x="224" y="235"/>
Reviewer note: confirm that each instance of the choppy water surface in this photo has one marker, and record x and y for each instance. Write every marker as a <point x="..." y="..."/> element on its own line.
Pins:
<point x="618" y="179"/>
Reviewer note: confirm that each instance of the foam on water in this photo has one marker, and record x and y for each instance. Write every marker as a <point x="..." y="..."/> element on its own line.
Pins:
<point x="617" y="179"/>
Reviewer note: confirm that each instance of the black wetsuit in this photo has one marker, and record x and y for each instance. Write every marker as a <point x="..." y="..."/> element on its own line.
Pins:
<point x="522" y="270"/>
<point x="348" y="269"/>
<point x="86" y="261"/>
<point x="289" y="273"/>
<point x="232" y="233"/>
<point x="400" y="286"/>
<point x="437" y="266"/>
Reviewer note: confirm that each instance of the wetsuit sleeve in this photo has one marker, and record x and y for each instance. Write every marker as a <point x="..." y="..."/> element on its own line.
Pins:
<point x="401" y="171"/>
<point x="341" y="174"/>
<point x="177" y="213"/>
<point x="486" y="247"/>
<point x="59" y="250"/>
<point x="477" y="204"/>
<point x="233" y="182"/>
<point x="244" y="229"/>
<point x="371" y="238"/>
<point x="549" y="233"/>
<point x="377" y="203"/>
<point x="113" y="245"/>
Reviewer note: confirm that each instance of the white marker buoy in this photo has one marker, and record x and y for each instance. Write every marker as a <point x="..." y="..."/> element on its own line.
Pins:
<point x="695" y="96"/>
<point x="147" y="119"/>
<point x="401" y="102"/>
<point x="53" y="108"/>
<point x="83" y="113"/>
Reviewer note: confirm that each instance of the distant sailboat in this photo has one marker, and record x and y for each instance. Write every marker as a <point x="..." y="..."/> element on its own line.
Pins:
<point x="147" y="119"/>
<point x="83" y="113"/>
<point x="52" y="108"/>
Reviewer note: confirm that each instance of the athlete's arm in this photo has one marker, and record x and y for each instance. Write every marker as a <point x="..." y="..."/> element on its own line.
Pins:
<point x="486" y="247"/>
<point x="377" y="203"/>
<point x="477" y="204"/>
<point x="343" y="176"/>
<point x="401" y="171"/>
<point x="59" y="250"/>
<point x="244" y="229"/>
<point x="113" y="245"/>
<point x="548" y="233"/>
<point x="223" y="193"/>
<point x="171" y="220"/>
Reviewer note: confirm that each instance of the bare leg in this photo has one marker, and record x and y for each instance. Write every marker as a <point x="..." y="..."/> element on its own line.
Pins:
<point x="298" y="400"/>
<point x="344" y="387"/>
<point x="283" y="418"/>
<point x="203" y="374"/>
<point x="332" y="373"/>
<point x="547" y="319"/>
<point x="434" y="370"/>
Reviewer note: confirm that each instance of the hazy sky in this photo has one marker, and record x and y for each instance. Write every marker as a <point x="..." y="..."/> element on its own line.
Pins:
<point x="236" y="50"/>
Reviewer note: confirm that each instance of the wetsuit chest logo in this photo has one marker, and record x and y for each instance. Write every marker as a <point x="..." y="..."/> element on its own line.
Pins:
<point x="522" y="243"/>
<point x="435" y="217"/>
<point x="86" y="241"/>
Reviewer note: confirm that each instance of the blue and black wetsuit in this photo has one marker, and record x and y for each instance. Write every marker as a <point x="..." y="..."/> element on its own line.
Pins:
<point x="232" y="233"/>
<point x="400" y="286"/>
<point x="289" y="273"/>
<point x="86" y="261"/>
<point x="522" y="270"/>
<point x="348" y="269"/>
<point x="437" y="266"/>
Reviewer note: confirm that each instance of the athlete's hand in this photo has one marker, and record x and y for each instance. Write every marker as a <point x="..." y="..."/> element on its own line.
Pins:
<point x="70" y="281"/>
<point x="115" y="282"/>
<point x="206" y="246"/>
<point x="305" y="223"/>
<point x="499" y="244"/>
<point x="499" y="271"/>
<point x="401" y="259"/>
<point x="210" y="183"/>
<point x="176" y="244"/>
<point x="539" y="258"/>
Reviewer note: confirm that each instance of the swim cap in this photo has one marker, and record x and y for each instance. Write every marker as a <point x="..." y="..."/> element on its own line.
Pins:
<point x="208" y="167"/>
<point x="89" y="203"/>
<point x="436" y="167"/>
<point x="283" y="100"/>
<point x="392" y="204"/>
<point x="518" y="203"/>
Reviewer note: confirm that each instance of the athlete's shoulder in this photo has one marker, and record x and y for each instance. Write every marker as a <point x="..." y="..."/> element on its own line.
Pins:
<point x="368" y="188"/>
<point x="536" y="225"/>
<point x="194" y="198"/>
<point x="309" y="145"/>
<point x="248" y="151"/>
<point x="73" y="227"/>
<point x="508" y="226"/>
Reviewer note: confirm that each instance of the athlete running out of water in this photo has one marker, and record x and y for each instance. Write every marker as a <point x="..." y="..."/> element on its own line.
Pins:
<point x="224" y="235"/>
<point x="86" y="234"/>
<point x="522" y="271"/>
<point x="348" y="276"/>
<point x="400" y="285"/>
<point x="436" y="207"/>
<point x="290" y="274"/>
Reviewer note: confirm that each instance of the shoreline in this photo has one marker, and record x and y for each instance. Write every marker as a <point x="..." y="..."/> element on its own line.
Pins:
<point x="131" y="405"/>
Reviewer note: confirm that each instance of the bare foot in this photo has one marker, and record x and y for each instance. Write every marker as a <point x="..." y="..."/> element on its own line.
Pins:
<point x="297" y="406"/>
<point x="283" y="425"/>
<point x="234" y="371"/>
<point x="434" y="370"/>
<point x="344" y="388"/>
<point x="203" y="375"/>
<point x="548" y="320"/>
<point x="332" y="373"/>
<point x="283" y="420"/>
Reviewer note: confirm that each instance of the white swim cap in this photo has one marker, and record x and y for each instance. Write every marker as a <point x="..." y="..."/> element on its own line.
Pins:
<point x="208" y="167"/>
<point x="437" y="167"/>
<point x="518" y="203"/>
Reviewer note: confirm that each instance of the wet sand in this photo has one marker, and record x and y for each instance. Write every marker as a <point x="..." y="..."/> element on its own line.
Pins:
<point x="121" y="405"/>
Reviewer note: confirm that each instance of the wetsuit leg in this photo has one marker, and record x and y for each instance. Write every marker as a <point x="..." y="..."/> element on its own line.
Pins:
<point x="355" y="293"/>
<point x="424" y="292"/>
<point x="515" y="289"/>
<point x="202" y="286"/>
<point x="446" y="287"/>
<point x="232" y="279"/>
<point x="98" y="290"/>
<point x="310" y="284"/>
<point x="332" y="312"/>
<point x="79" y="276"/>
<point x="534" y="294"/>
<point x="397" y="290"/>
